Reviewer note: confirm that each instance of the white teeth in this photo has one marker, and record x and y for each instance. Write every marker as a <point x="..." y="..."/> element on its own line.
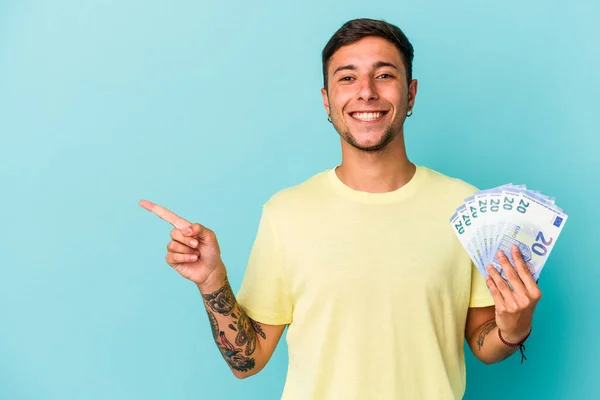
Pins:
<point x="367" y="116"/>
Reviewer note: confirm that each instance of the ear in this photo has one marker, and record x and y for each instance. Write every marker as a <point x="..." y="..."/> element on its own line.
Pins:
<point x="325" y="100"/>
<point x="412" y="93"/>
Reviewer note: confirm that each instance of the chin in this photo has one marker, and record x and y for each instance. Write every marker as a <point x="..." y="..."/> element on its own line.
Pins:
<point x="368" y="145"/>
<point x="374" y="142"/>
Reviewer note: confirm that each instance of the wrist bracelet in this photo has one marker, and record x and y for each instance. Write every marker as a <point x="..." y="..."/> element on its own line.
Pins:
<point x="520" y="345"/>
<point x="513" y="344"/>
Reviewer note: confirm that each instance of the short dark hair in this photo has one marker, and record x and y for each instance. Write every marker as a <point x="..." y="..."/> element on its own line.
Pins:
<point x="357" y="29"/>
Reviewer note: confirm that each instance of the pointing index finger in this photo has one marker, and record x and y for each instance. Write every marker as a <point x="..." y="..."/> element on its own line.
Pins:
<point x="165" y="214"/>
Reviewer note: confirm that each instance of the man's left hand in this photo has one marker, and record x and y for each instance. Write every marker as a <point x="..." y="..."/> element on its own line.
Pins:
<point x="514" y="308"/>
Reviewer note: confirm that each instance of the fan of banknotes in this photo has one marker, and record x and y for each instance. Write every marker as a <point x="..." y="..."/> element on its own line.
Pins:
<point x="498" y="218"/>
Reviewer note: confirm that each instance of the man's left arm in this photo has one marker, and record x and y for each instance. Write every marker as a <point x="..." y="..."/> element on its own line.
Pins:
<point x="512" y="314"/>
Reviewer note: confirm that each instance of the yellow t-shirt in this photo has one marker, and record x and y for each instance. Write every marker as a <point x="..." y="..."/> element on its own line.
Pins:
<point x="375" y="288"/>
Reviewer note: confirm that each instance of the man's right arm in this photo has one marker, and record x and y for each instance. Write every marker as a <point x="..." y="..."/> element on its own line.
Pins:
<point x="195" y="254"/>
<point x="245" y="344"/>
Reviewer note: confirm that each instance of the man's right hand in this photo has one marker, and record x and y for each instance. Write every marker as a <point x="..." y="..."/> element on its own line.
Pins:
<point x="193" y="251"/>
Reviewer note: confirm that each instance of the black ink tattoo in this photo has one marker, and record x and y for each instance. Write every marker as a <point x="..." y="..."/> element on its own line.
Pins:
<point x="232" y="356"/>
<point x="258" y="329"/>
<point x="222" y="301"/>
<point x="213" y="324"/>
<point x="230" y="353"/>
<point x="487" y="328"/>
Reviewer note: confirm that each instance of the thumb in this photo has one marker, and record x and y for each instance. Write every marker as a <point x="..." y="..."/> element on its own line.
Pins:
<point x="201" y="232"/>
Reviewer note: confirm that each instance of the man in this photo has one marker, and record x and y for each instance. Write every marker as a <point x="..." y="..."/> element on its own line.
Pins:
<point x="360" y="261"/>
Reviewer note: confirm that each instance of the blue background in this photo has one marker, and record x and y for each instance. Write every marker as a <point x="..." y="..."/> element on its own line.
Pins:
<point x="209" y="108"/>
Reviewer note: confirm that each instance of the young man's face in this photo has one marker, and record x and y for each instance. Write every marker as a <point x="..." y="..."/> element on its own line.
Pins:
<point x="368" y="97"/>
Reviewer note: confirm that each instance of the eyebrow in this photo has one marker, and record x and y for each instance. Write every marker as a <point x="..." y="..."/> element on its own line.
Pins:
<point x="352" y="67"/>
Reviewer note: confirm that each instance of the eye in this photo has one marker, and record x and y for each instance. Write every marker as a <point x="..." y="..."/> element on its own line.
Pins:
<point x="346" y="79"/>
<point x="385" y="76"/>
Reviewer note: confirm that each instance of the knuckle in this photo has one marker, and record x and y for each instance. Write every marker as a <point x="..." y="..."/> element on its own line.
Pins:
<point x="196" y="228"/>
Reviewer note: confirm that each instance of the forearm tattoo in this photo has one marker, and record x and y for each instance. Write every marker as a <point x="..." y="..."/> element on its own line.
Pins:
<point x="487" y="328"/>
<point x="214" y="324"/>
<point x="222" y="301"/>
<point x="237" y="356"/>
<point x="258" y="328"/>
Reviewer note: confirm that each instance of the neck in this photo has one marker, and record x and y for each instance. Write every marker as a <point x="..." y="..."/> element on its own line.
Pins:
<point x="376" y="172"/>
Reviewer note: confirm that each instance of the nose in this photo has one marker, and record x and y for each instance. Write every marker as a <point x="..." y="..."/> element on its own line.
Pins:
<point x="367" y="90"/>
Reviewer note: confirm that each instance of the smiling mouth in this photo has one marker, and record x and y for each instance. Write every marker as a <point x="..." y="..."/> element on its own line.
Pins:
<point x="368" y="116"/>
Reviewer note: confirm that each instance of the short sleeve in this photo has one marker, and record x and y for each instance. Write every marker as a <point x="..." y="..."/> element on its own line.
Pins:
<point x="264" y="294"/>
<point x="480" y="294"/>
